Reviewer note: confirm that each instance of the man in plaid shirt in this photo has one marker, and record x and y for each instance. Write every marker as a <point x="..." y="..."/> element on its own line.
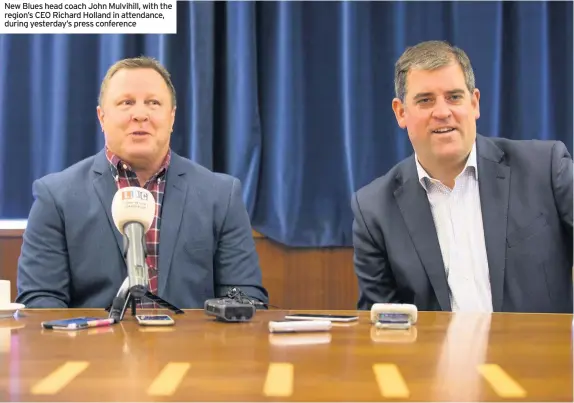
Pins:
<point x="199" y="245"/>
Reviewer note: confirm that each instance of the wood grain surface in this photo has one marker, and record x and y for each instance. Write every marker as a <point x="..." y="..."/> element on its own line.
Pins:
<point x="444" y="357"/>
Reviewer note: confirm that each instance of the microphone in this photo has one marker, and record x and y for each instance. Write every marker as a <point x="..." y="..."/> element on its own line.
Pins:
<point x="133" y="210"/>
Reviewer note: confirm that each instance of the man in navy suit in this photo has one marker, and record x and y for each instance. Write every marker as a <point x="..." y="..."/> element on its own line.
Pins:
<point x="468" y="223"/>
<point x="200" y="244"/>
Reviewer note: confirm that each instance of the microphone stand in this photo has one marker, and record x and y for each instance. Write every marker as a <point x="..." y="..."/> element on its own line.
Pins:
<point x="125" y="299"/>
<point x="130" y="296"/>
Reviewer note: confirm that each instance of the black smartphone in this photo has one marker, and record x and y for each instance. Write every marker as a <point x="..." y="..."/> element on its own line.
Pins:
<point x="317" y="316"/>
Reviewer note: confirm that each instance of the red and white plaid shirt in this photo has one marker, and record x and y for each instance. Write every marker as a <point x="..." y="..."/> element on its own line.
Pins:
<point x="125" y="177"/>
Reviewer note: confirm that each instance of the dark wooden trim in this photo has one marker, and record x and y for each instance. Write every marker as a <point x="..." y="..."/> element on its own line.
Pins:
<point x="11" y="233"/>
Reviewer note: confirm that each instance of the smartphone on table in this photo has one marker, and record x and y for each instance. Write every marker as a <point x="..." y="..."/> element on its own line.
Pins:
<point x="155" y="320"/>
<point x="77" y="323"/>
<point x="315" y="316"/>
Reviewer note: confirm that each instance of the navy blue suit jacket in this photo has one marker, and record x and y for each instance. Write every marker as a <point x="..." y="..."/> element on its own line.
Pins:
<point x="526" y="201"/>
<point x="72" y="252"/>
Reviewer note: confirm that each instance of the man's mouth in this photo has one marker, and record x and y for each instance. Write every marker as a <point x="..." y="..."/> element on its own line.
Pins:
<point x="140" y="133"/>
<point x="443" y="130"/>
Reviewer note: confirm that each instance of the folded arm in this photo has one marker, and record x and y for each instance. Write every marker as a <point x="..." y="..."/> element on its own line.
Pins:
<point x="562" y="183"/>
<point x="236" y="260"/>
<point x="43" y="271"/>
<point x="376" y="282"/>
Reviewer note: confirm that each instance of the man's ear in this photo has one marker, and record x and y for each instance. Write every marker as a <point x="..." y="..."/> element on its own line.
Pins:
<point x="399" y="110"/>
<point x="475" y="102"/>
<point x="173" y="117"/>
<point x="100" y="112"/>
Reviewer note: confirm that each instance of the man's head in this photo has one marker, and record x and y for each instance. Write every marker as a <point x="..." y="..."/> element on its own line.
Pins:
<point x="435" y="92"/>
<point x="137" y="111"/>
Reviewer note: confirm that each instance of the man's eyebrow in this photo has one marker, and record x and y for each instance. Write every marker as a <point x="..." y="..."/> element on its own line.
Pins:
<point x="423" y="95"/>
<point x="456" y="91"/>
<point x="429" y="94"/>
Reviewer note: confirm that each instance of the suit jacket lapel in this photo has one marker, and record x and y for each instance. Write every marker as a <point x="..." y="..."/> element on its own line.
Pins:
<point x="173" y="204"/>
<point x="494" y="183"/>
<point x="415" y="208"/>
<point x="106" y="189"/>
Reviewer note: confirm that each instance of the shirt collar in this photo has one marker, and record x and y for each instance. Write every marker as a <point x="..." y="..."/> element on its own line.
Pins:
<point x="470" y="163"/>
<point x="119" y="166"/>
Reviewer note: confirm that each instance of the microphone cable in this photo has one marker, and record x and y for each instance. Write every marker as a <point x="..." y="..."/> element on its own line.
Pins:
<point x="239" y="296"/>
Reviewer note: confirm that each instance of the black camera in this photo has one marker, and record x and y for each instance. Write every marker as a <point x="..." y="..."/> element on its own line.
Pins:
<point x="229" y="310"/>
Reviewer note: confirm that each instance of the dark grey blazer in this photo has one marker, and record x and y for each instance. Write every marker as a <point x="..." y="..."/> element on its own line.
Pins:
<point x="72" y="252"/>
<point x="526" y="199"/>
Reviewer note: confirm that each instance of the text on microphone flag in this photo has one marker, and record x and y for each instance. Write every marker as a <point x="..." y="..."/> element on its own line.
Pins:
<point x="131" y="194"/>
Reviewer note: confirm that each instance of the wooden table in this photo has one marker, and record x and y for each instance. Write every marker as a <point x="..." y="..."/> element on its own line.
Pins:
<point x="446" y="357"/>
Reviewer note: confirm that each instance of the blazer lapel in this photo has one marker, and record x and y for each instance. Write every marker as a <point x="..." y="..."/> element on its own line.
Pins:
<point x="415" y="209"/>
<point x="106" y="189"/>
<point x="173" y="204"/>
<point x="494" y="184"/>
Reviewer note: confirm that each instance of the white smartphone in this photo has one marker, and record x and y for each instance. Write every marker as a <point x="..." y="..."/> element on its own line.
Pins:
<point x="155" y="320"/>
<point x="314" y="316"/>
<point x="393" y="320"/>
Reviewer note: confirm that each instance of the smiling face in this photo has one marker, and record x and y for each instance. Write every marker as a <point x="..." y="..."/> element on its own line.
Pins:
<point x="137" y="116"/>
<point x="439" y="113"/>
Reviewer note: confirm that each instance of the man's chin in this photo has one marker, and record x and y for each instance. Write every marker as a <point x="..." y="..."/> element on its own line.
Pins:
<point x="138" y="155"/>
<point x="449" y="152"/>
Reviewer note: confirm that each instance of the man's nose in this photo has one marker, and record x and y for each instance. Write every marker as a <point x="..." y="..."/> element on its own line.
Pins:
<point x="140" y="114"/>
<point x="441" y="109"/>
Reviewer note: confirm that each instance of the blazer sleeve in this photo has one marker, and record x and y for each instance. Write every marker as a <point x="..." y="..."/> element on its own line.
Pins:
<point x="43" y="273"/>
<point x="562" y="183"/>
<point x="376" y="281"/>
<point x="236" y="261"/>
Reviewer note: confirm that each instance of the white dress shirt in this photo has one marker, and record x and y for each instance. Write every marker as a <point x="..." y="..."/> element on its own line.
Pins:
<point x="457" y="217"/>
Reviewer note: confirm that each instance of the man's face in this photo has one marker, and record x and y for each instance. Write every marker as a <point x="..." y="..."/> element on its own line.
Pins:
<point x="137" y="116"/>
<point x="439" y="114"/>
